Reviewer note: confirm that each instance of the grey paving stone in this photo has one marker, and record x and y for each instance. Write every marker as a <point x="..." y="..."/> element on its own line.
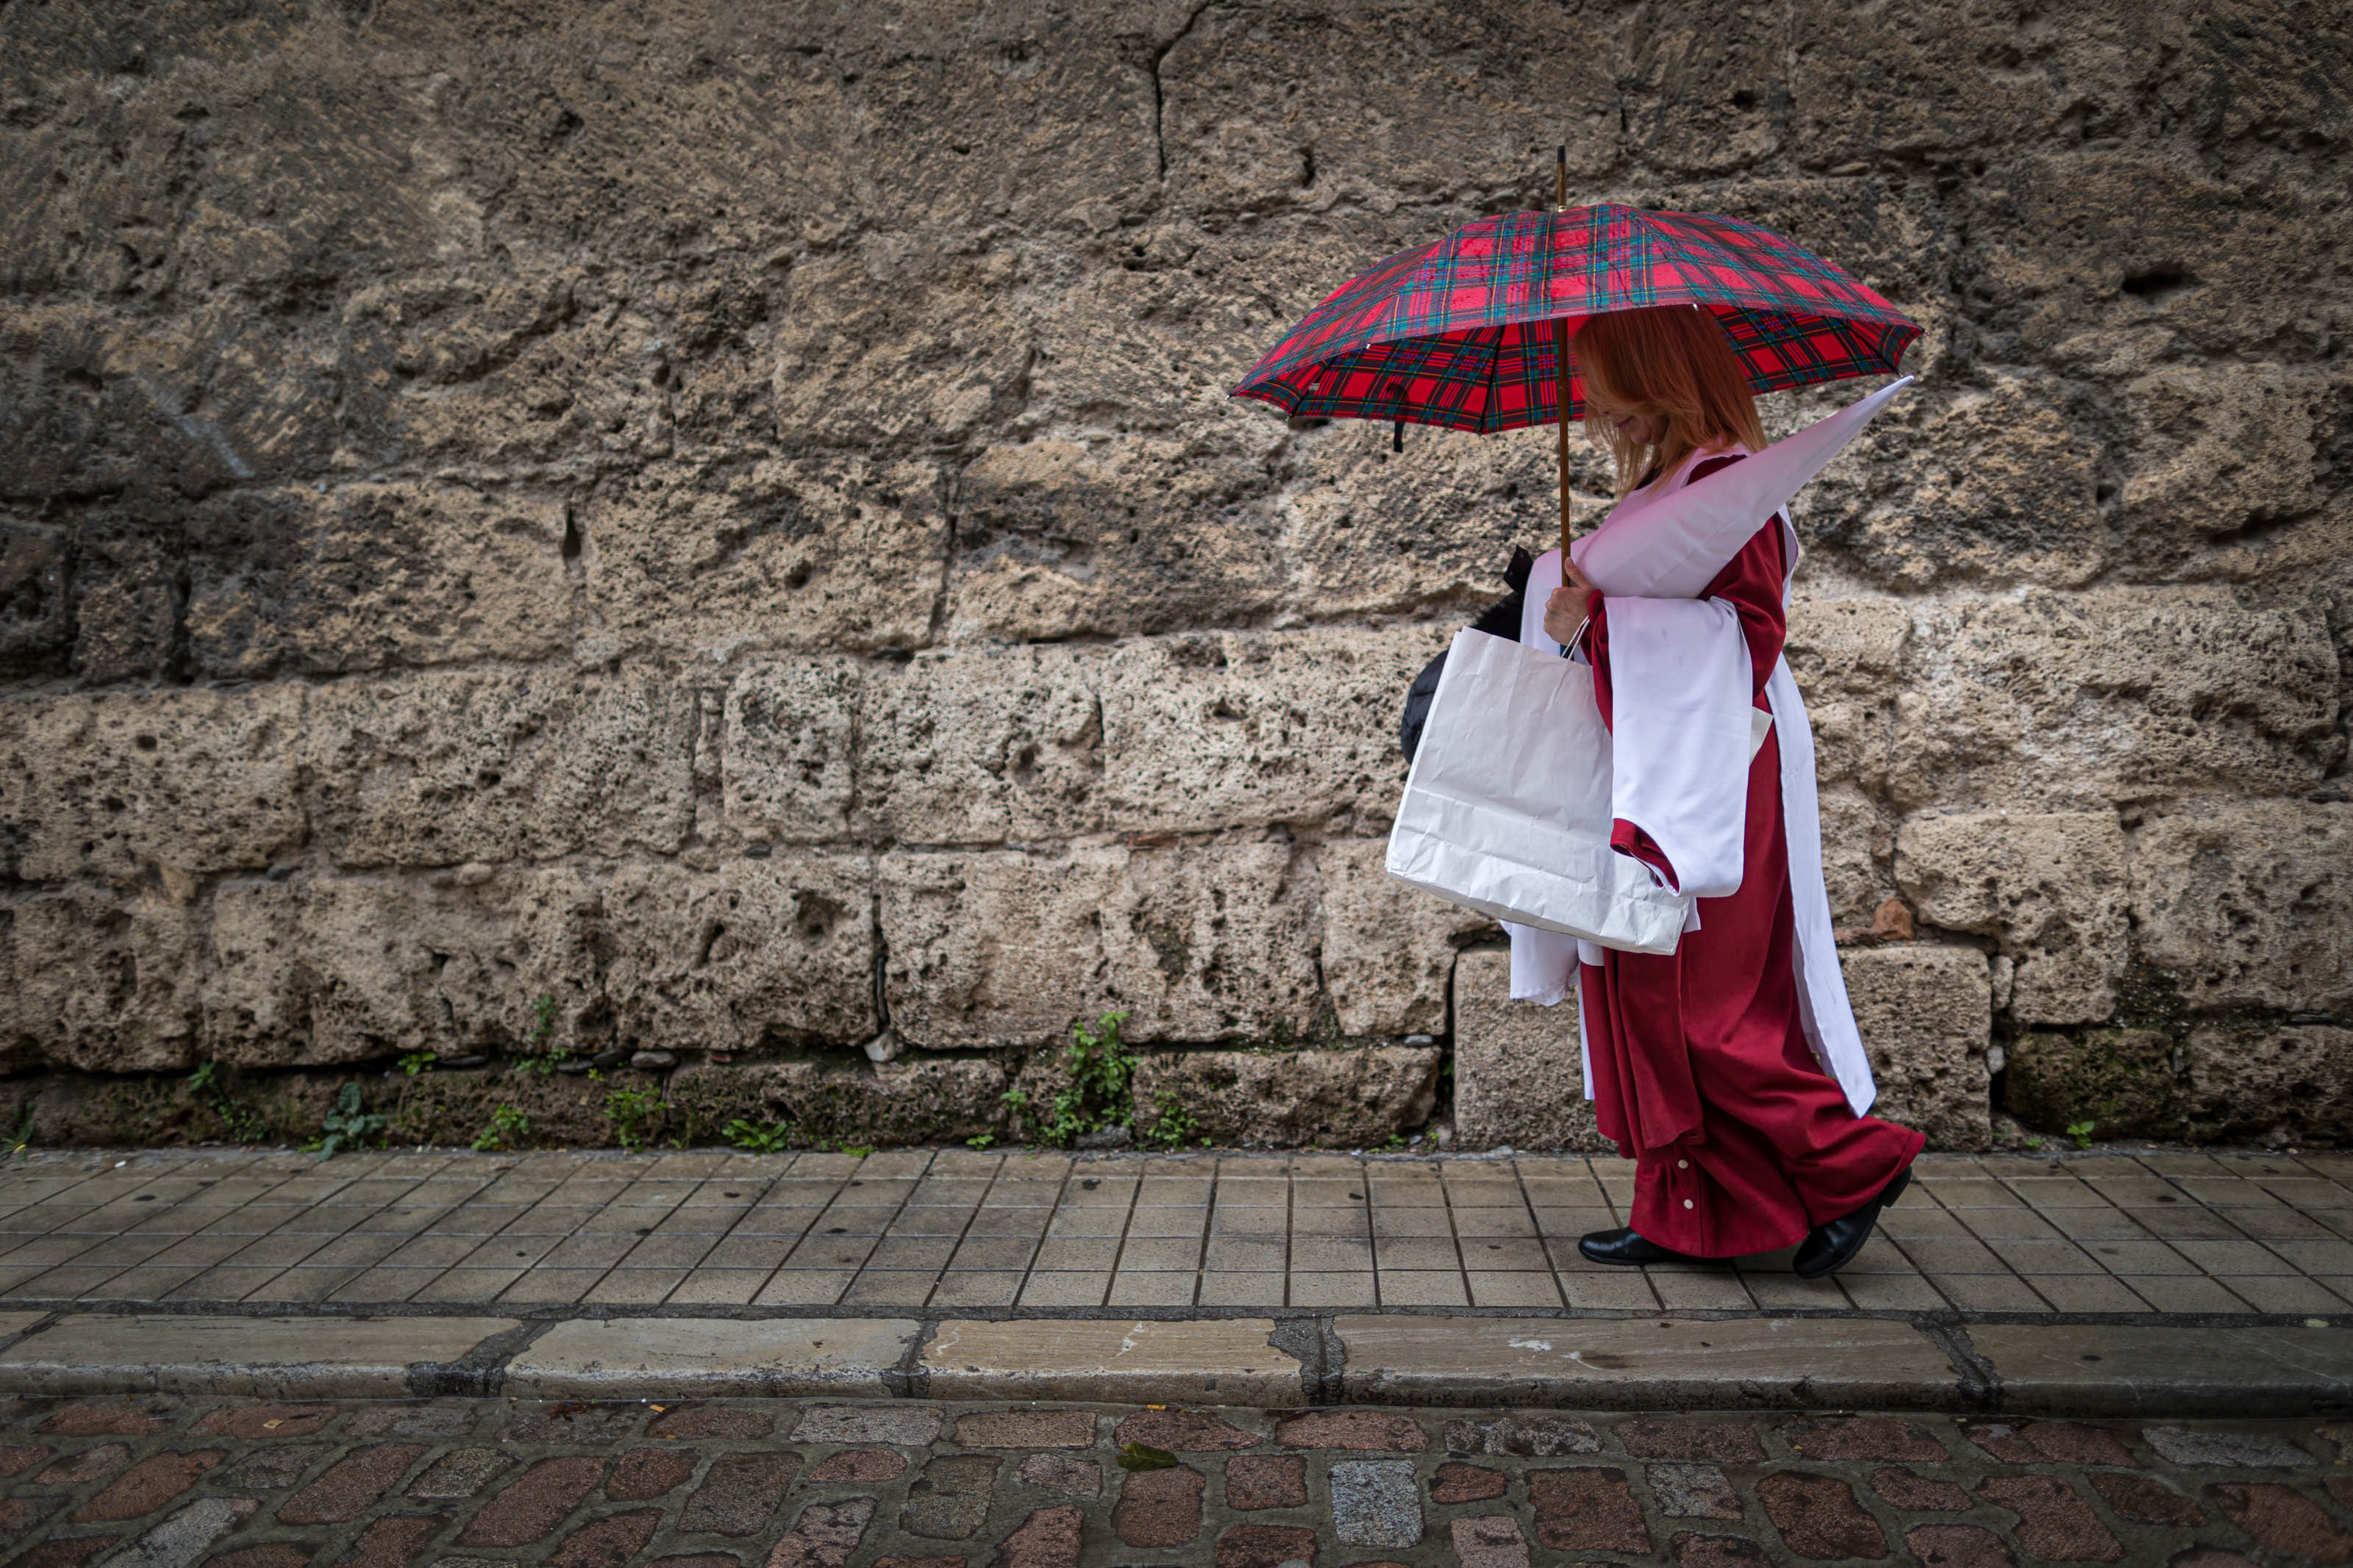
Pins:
<point x="1376" y="1502"/>
<point x="625" y="1358"/>
<point x="909" y="1427"/>
<point x="1693" y="1491"/>
<point x="184" y="1537"/>
<point x="2205" y="1448"/>
<point x="1202" y="1361"/>
<point x="1643" y="1362"/>
<point x="2154" y="1369"/>
<point x="297" y="1357"/>
<point x="461" y="1473"/>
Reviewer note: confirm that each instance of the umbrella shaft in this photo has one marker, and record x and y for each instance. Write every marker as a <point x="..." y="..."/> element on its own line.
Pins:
<point x="1560" y="363"/>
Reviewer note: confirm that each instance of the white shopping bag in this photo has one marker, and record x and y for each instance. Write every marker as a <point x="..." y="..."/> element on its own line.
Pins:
<point x="1507" y="810"/>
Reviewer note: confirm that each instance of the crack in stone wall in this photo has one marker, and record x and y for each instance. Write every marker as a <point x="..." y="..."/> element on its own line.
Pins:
<point x="729" y="519"/>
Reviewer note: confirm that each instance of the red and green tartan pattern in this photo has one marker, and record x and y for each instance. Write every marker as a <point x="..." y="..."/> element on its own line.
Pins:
<point x="1459" y="332"/>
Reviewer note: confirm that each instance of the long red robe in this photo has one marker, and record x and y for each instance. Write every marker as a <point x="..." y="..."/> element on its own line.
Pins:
<point x="1701" y="1068"/>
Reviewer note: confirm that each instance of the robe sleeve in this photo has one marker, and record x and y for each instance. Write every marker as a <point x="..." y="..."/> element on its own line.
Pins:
<point x="1751" y="583"/>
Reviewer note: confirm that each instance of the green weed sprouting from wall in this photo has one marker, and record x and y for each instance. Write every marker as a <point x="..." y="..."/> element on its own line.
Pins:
<point x="240" y="1123"/>
<point x="762" y="1137"/>
<point x="1173" y="1126"/>
<point x="538" y="1058"/>
<point x="349" y="1125"/>
<point x="628" y="1110"/>
<point x="1102" y="1069"/>
<point x="507" y="1124"/>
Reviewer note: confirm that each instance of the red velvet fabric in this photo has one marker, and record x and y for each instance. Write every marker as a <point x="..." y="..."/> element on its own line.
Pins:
<point x="1701" y="1068"/>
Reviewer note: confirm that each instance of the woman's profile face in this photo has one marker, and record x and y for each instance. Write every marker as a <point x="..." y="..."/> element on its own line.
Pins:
<point x="1642" y="430"/>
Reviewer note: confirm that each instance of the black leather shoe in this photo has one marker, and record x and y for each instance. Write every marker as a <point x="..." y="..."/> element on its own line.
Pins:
<point x="1625" y="1246"/>
<point x="1830" y="1248"/>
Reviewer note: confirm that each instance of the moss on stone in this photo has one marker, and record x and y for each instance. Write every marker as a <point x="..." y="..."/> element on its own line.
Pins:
<point x="2120" y="1081"/>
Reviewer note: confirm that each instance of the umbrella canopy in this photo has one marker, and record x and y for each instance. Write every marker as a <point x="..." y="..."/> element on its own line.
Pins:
<point x="1461" y="333"/>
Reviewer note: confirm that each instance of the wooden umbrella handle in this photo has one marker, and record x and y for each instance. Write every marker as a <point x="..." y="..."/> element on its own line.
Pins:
<point x="1560" y="363"/>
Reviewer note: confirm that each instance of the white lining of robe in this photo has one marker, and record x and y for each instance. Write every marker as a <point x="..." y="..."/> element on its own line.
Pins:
<point x="1545" y="963"/>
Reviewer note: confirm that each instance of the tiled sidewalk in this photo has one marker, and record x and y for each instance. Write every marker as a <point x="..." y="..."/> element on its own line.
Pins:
<point x="2150" y="1233"/>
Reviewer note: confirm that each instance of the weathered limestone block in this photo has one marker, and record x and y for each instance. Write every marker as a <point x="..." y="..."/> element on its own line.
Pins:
<point x="786" y="759"/>
<point x="443" y="769"/>
<point x="1280" y="112"/>
<point x="2051" y="887"/>
<point x="126" y="620"/>
<point x="1008" y="948"/>
<point x="110" y="401"/>
<point x="1926" y="1017"/>
<point x="1426" y="534"/>
<point x="2063" y="702"/>
<point x="1387" y="948"/>
<point x="1315" y="1099"/>
<point x="776" y="948"/>
<point x="1208" y="732"/>
<point x="310" y="973"/>
<point x="2270" y="1085"/>
<point x="983" y="746"/>
<point x="126" y="784"/>
<point x="2104" y="261"/>
<point x="1858" y="854"/>
<point x="102" y="983"/>
<point x="1992" y="484"/>
<point x="911" y="1101"/>
<point x="1941" y="79"/>
<point x="519" y="374"/>
<point x="2120" y="1081"/>
<point x="1847" y="656"/>
<point x="36" y="622"/>
<point x="2249" y="904"/>
<point x="374" y="575"/>
<point x="725" y="553"/>
<point x="1114" y="538"/>
<point x="2229" y="450"/>
<point x="898" y="346"/>
<point x="1519" y="1075"/>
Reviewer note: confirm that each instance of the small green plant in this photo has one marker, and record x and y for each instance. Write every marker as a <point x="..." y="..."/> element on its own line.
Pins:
<point x="507" y="1124"/>
<point x="1101" y="1068"/>
<point x="20" y="1143"/>
<point x="1396" y="1142"/>
<point x="2080" y="1132"/>
<point x="540" y="1060"/>
<point x="240" y="1121"/>
<point x="416" y="1062"/>
<point x="760" y="1136"/>
<point x="628" y="1110"/>
<point x="981" y="1140"/>
<point x="857" y="1151"/>
<point x="1136" y="1458"/>
<point x="1173" y="1126"/>
<point x="349" y="1125"/>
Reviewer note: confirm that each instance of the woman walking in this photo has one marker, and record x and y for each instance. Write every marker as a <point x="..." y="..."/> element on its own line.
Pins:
<point x="1699" y="1061"/>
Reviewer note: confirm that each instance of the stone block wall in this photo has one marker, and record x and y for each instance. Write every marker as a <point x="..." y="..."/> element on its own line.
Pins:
<point x="716" y="532"/>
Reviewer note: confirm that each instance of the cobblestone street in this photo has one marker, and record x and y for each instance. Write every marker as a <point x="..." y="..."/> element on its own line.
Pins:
<point x="161" y="1481"/>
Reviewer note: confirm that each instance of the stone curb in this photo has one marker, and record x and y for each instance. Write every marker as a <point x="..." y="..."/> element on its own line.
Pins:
<point x="1614" y="1363"/>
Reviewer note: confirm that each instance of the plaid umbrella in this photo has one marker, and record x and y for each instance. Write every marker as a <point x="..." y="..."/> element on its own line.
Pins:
<point x="1472" y="331"/>
<point x="1460" y="333"/>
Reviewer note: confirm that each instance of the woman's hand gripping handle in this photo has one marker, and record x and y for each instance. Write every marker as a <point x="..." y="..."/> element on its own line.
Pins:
<point x="1571" y="604"/>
